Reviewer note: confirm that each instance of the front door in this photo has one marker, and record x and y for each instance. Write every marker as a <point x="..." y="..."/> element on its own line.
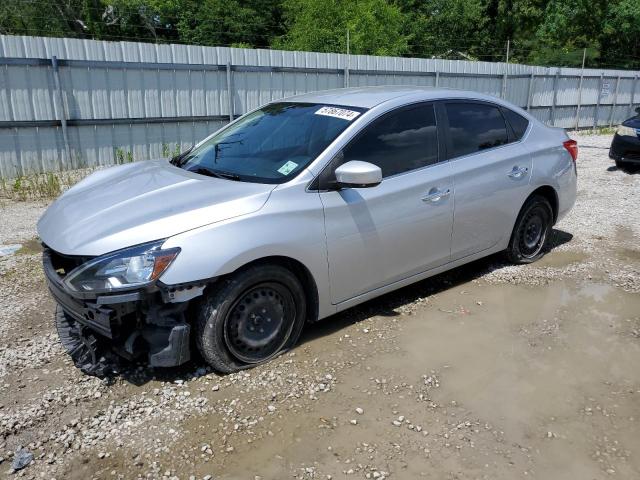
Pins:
<point x="401" y="227"/>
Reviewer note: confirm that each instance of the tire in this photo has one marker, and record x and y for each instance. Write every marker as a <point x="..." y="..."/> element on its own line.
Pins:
<point x="620" y="165"/>
<point x="531" y="231"/>
<point x="250" y="318"/>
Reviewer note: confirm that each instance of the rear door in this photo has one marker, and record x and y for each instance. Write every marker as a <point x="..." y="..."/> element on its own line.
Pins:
<point x="401" y="227"/>
<point x="491" y="170"/>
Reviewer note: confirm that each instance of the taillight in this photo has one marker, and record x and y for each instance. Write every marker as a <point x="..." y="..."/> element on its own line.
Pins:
<point x="572" y="148"/>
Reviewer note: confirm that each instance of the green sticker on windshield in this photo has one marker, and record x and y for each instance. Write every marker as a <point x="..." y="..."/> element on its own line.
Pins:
<point x="287" y="168"/>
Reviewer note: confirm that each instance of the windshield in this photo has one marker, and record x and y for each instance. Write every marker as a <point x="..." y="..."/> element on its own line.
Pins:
<point x="270" y="145"/>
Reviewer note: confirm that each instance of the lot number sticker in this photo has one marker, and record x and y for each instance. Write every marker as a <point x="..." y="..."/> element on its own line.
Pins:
<point x="342" y="113"/>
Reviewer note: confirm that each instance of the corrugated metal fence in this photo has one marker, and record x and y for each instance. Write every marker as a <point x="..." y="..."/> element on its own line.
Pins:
<point x="68" y="103"/>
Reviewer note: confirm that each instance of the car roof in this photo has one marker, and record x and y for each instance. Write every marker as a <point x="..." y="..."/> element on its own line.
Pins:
<point x="369" y="97"/>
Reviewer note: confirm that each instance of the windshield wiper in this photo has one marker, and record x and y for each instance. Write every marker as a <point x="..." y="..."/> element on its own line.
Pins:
<point x="216" y="173"/>
<point x="178" y="160"/>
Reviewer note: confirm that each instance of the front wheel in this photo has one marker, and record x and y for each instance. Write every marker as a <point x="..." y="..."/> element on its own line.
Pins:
<point x="250" y="317"/>
<point x="620" y="165"/>
<point x="531" y="231"/>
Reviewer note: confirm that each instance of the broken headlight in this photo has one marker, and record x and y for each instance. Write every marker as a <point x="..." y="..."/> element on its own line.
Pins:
<point x="128" y="268"/>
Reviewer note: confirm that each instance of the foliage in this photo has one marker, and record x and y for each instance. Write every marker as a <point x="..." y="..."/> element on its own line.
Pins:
<point x="375" y="26"/>
<point x="34" y="186"/>
<point x="122" y="156"/>
<point x="167" y="152"/>
<point x="47" y="185"/>
<point x="551" y="32"/>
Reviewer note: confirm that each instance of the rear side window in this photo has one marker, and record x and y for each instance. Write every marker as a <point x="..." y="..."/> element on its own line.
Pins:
<point x="474" y="127"/>
<point x="399" y="141"/>
<point x="518" y="123"/>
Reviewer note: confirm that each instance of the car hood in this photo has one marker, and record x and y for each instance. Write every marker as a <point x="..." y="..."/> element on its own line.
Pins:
<point x="141" y="202"/>
<point x="633" y="122"/>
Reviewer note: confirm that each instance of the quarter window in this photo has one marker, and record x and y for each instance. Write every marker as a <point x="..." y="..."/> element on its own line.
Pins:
<point x="474" y="127"/>
<point x="518" y="123"/>
<point x="399" y="141"/>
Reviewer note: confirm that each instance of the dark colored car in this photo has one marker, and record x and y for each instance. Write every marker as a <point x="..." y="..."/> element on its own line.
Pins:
<point x="625" y="147"/>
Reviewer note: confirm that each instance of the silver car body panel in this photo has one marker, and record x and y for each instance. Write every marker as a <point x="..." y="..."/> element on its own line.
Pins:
<point x="377" y="236"/>
<point x="141" y="202"/>
<point x="356" y="244"/>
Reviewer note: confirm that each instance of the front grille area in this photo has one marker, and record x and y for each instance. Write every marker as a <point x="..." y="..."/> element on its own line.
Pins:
<point x="63" y="264"/>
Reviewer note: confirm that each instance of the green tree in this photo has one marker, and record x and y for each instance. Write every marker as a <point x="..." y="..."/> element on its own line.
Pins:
<point x="547" y="32"/>
<point x="228" y="22"/>
<point x="445" y="28"/>
<point x="73" y="18"/>
<point x="620" y="38"/>
<point x="375" y="26"/>
<point x="567" y="27"/>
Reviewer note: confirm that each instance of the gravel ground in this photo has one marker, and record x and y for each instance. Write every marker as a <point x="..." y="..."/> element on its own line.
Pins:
<point x="488" y="371"/>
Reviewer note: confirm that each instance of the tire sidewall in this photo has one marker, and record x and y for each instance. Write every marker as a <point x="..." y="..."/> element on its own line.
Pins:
<point x="212" y="314"/>
<point x="514" y="252"/>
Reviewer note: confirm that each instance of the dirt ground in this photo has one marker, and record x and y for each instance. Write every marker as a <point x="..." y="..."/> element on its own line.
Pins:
<point x="490" y="371"/>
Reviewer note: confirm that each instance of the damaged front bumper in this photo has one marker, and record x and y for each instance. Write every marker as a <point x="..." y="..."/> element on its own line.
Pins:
<point x="142" y="324"/>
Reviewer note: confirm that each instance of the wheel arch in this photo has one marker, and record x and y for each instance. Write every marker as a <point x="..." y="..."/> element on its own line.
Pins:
<point x="548" y="192"/>
<point x="302" y="273"/>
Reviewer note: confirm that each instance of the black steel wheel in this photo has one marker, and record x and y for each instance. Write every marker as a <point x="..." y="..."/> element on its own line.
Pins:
<point x="531" y="231"/>
<point x="250" y="317"/>
<point x="259" y="322"/>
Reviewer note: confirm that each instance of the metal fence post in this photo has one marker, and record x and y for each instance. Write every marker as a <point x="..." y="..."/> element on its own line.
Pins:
<point x="595" y="115"/>
<point x="530" y="90"/>
<point x="633" y="95"/>
<point x="615" y="101"/>
<point x="506" y="74"/>
<point x="584" y="57"/>
<point x="229" y="93"/>
<point x="347" y="64"/>
<point x="62" y="113"/>
<point x="555" y="99"/>
<point x="437" y="76"/>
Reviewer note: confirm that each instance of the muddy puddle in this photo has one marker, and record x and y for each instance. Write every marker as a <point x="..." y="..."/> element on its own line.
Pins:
<point x="558" y="258"/>
<point x="484" y="382"/>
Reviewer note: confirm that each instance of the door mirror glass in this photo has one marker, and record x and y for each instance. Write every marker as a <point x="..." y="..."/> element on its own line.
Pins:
<point x="357" y="174"/>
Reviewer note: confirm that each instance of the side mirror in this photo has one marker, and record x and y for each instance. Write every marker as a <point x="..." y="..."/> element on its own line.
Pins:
<point x="357" y="174"/>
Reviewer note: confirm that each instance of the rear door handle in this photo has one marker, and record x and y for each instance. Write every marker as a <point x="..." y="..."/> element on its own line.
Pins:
<point x="435" y="195"/>
<point x="518" y="172"/>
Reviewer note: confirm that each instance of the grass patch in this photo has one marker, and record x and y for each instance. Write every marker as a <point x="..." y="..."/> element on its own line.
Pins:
<point x="40" y="186"/>
<point x="597" y="131"/>
<point x="30" y="247"/>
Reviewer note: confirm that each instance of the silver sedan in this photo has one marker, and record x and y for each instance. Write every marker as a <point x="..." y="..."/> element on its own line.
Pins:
<point x="295" y="211"/>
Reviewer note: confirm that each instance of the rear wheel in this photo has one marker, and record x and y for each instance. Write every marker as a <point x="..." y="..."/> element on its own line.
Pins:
<point x="531" y="231"/>
<point x="250" y="317"/>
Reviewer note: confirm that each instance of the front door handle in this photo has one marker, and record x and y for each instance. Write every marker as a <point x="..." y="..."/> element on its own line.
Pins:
<point x="435" y="195"/>
<point x="518" y="172"/>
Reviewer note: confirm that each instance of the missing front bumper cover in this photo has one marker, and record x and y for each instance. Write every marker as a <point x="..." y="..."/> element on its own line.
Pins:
<point x="99" y="332"/>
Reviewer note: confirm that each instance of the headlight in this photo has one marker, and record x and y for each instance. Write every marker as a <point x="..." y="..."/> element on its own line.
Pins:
<point x="625" y="131"/>
<point x="131" y="267"/>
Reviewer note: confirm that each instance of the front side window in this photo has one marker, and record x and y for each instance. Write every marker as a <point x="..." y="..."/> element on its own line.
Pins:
<point x="270" y="145"/>
<point x="474" y="127"/>
<point x="399" y="141"/>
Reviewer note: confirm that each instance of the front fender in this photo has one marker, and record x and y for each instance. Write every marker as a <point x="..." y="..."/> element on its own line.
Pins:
<point x="285" y="227"/>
